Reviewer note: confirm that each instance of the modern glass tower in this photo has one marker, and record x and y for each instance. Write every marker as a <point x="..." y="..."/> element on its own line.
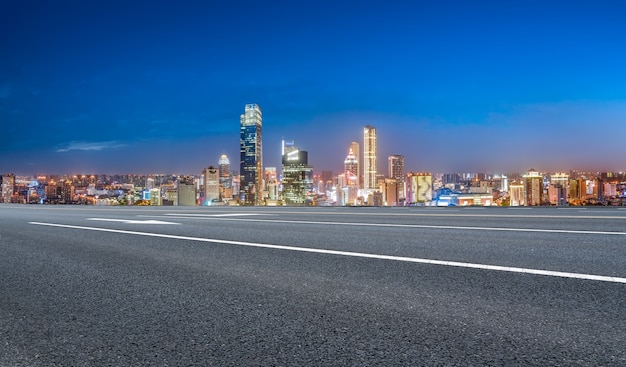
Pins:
<point x="251" y="173"/>
<point x="369" y="158"/>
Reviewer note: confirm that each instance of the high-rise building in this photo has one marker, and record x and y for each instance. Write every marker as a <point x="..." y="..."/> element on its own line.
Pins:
<point x="8" y="184"/>
<point x="419" y="187"/>
<point x="396" y="171"/>
<point x="369" y="158"/>
<point x="186" y="191"/>
<point x="211" y="185"/>
<point x="251" y="181"/>
<point x="297" y="177"/>
<point x="390" y="192"/>
<point x="270" y="182"/>
<point x="356" y="149"/>
<point x="351" y="169"/>
<point x="533" y="188"/>
<point x="223" y="165"/>
<point x="516" y="194"/>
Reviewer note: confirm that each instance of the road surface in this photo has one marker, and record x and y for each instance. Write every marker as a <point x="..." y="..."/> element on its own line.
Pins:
<point x="240" y="286"/>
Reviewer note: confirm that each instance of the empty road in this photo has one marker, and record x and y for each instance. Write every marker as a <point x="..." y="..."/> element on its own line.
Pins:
<point x="241" y="286"/>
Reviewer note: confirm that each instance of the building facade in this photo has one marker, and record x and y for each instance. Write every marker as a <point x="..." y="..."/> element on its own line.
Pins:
<point x="533" y="188"/>
<point x="297" y="179"/>
<point x="8" y="184"/>
<point x="211" y="185"/>
<point x="225" y="182"/>
<point x="396" y="171"/>
<point x="251" y="178"/>
<point x="369" y="158"/>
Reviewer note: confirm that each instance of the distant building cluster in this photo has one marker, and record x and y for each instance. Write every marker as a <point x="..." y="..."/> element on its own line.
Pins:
<point x="296" y="184"/>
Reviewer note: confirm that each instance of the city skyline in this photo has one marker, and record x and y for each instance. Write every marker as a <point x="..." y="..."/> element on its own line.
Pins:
<point x="454" y="87"/>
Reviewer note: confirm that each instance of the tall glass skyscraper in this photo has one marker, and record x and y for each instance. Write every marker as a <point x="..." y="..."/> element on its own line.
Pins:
<point x="369" y="158"/>
<point x="251" y="173"/>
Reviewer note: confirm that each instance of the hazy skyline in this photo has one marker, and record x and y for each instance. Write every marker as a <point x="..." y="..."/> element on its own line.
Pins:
<point x="157" y="86"/>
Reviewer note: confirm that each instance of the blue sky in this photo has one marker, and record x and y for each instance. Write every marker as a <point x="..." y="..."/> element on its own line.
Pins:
<point x="454" y="86"/>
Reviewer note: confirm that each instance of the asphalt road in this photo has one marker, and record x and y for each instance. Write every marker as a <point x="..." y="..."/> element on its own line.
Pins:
<point x="186" y="286"/>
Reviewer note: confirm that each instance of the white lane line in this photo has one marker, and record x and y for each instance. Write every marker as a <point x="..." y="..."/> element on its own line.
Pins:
<point x="222" y="215"/>
<point x="509" y="269"/>
<point x="131" y="221"/>
<point x="534" y="230"/>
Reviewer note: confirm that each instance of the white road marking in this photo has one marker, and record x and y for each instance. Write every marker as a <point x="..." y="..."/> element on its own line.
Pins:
<point x="221" y="215"/>
<point x="358" y="224"/>
<point x="509" y="269"/>
<point x="131" y="221"/>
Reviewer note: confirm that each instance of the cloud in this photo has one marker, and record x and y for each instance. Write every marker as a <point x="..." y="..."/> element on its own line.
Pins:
<point x="88" y="146"/>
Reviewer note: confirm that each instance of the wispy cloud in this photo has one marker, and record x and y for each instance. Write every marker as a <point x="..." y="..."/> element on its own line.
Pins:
<point x="87" y="146"/>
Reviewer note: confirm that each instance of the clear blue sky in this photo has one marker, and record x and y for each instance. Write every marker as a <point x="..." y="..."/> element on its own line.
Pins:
<point x="454" y="86"/>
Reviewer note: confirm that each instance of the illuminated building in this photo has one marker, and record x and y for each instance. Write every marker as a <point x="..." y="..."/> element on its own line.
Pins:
<point x="356" y="149"/>
<point x="225" y="183"/>
<point x="351" y="168"/>
<point x="211" y="185"/>
<point x="186" y="191"/>
<point x="560" y="179"/>
<point x="396" y="171"/>
<point x="389" y="189"/>
<point x="557" y="194"/>
<point x="297" y="179"/>
<point x="251" y="180"/>
<point x="270" y="179"/>
<point x="533" y="187"/>
<point x="419" y="187"/>
<point x="155" y="197"/>
<point x="516" y="194"/>
<point x="369" y="158"/>
<point x="8" y="184"/>
<point x="578" y="191"/>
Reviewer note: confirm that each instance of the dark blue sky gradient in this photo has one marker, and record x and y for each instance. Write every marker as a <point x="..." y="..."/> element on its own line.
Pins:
<point x="455" y="86"/>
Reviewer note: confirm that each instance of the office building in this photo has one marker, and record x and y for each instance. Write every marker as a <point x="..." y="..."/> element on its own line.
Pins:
<point x="351" y="169"/>
<point x="185" y="191"/>
<point x="516" y="194"/>
<point x="533" y="188"/>
<point x="297" y="179"/>
<point x="369" y="159"/>
<point x="396" y="171"/>
<point x="419" y="188"/>
<point x="225" y="182"/>
<point x="8" y="185"/>
<point x="211" y="185"/>
<point x="251" y="178"/>
<point x="356" y="150"/>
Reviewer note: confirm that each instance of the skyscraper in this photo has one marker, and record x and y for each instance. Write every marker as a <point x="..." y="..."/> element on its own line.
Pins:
<point x="251" y="182"/>
<point x="297" y="177"/>
<point x="8" y="184"/>
<point x="396" y="170"/>
<point x="223" y="164"/>
<point x="356" y="149"/>
<point x="369" y="158"/>
<point x="211" y="185"/>
<point x="351" y="168"/>
<point x="533" y="188"/>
